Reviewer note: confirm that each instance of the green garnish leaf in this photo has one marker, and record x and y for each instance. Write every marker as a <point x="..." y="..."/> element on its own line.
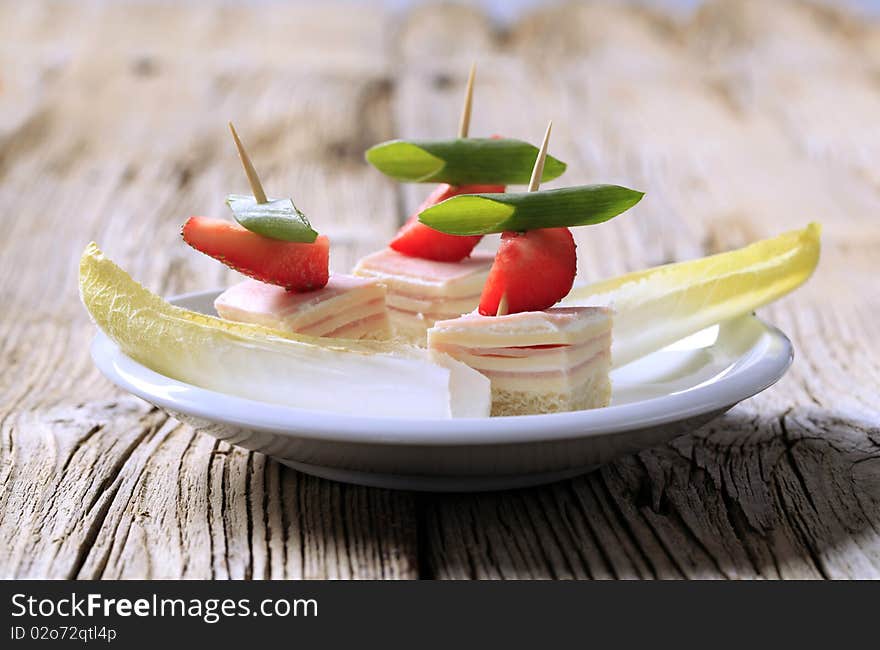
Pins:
<point x="482" y="214"/>
<point x="276" y="219"/>
<point x="462" y="161"/>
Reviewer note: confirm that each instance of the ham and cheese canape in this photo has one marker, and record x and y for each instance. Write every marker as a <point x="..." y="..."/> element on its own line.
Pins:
<point x="291" y="288"/>
<point x="347" y="307"/>
<point x="546" y="361"/>
<point x="421" y="292"/>
<point x="433" y="275"/>
<point x="537" y="357"/>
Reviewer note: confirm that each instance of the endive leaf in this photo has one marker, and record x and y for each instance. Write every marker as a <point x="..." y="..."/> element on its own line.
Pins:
<point x="481" y="214"/>
<point x="461" y="161"/>
<point x="276" y="219"/>
<point x="661" y="305"/>
<point x="335" y="375"/>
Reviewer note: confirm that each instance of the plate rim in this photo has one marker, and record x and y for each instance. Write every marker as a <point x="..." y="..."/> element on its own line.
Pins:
<point x="763" y="372"/>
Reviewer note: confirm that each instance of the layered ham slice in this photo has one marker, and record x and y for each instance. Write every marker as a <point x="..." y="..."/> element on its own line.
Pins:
<point x="347" y="307"/>
<point x="537" y="362"/>
<point x="422" y="292"/>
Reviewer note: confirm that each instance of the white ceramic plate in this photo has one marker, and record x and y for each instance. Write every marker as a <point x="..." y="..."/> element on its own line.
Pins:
<point x="655" y="399"/>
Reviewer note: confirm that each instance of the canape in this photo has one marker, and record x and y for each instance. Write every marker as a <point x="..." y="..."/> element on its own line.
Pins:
<point x="420" y="292"/>
<point x="538" y="358"/>
<point x="291" y="288"/>
<point x="431" y="275"/>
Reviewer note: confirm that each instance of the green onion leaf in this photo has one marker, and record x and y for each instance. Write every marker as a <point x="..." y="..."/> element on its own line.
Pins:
<point x="482" y="214"/>
<point x="276" y="219"/>
<point x="462" y="161"/>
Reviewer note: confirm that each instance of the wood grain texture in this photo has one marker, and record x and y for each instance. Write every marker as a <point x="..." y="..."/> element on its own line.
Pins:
<point x="740" y="121"/>
<point x="116" y="131"/>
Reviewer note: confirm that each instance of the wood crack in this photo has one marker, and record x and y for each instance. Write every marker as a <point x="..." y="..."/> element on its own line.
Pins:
<point x="248" y="500"/>
<point x="625" y="524"/>
<point x="107" y="489"/>
<point x="210" y="514"/>
<point x="792" y="461"/>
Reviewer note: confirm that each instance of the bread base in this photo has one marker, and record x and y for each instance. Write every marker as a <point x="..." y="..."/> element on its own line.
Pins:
<point x="591" y="394"/>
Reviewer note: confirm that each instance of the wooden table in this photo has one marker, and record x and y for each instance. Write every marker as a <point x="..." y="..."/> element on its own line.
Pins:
<point x="743" y="121"/>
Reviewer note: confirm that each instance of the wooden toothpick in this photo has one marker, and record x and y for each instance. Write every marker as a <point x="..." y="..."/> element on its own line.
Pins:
<point x="502" y="305"/>
<point x="253" y="179"/>
<point x="465" y="123"/>
<point x="538" y="170"/>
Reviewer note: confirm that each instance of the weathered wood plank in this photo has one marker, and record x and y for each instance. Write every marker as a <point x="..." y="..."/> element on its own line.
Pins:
<point x="116" y="132"/>
<point x="786" y="485"/>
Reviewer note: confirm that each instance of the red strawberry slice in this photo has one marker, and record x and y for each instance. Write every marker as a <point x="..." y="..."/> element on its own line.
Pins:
<point x="295" y="266"/>
<point x="415" y="239"/>
<point x="534" y="269"/>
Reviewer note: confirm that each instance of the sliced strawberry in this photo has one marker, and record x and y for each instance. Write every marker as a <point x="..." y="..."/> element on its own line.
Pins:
<point x="534" y="269"/>
<point x="295" y="266"/>
<point x="418" y="240"/>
